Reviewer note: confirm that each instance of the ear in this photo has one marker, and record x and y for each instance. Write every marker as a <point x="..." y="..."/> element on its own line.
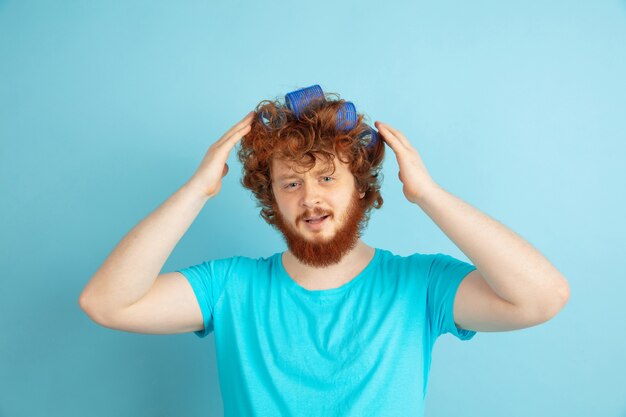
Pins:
<point x="361" y="195"/>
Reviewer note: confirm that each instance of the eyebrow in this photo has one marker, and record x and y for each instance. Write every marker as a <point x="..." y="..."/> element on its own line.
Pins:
<point x="295" y="175"/>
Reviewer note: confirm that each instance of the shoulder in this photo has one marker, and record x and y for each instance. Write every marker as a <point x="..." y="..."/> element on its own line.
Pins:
<point x="412" y="267"/>
<point x="422" y="267"/>
<point x="227" y="267"/>
<point x="242" y="263"/>
<point x="413" y="260"/>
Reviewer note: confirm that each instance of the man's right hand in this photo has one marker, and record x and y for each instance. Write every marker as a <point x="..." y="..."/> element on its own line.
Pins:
<point x="208" y="176"/>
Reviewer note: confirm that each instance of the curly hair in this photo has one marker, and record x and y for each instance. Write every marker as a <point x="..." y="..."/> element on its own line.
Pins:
<point x="314" y="133"/>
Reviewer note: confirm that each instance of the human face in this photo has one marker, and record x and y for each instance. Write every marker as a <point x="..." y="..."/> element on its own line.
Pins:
<point x="318" y="192"/>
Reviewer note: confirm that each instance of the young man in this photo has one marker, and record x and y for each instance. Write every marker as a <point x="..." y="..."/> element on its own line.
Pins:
<point x="332" y="326"/>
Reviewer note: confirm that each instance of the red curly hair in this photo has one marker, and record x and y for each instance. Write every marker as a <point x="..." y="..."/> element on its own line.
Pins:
<point x="276" y="132"/>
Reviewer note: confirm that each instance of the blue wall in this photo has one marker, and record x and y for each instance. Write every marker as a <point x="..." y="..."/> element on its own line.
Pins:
<point x="106" y="108"/>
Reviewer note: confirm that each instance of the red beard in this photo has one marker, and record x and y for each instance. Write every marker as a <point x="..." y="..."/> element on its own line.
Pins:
<point x="319" y="252"/>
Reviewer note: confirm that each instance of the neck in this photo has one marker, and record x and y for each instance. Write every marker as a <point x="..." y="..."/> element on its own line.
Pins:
<point x="354" y="258"/>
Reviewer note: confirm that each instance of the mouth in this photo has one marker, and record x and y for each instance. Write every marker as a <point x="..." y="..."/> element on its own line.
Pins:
<point x="317" y="220"/>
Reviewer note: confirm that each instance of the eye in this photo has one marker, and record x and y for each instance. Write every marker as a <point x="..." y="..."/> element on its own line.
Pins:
<point x="329" y="179"/>
<point x="290" y="184"/>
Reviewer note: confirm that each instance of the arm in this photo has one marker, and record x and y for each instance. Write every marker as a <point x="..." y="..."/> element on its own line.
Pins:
<point x="512" y="267"/>
<point x="130" y="271"/>
<point x="514" y="286"/>
<point x="132" y="267"/>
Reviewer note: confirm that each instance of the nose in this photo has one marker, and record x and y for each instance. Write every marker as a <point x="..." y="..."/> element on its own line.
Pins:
<point x="310" y="194"/>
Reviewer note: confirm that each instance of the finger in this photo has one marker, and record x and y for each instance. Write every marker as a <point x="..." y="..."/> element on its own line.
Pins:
<point x="396" y="133"/>
<point x="230" y="143"/>
<point x="390" y="139"/>
<point x="246" y="121"/>
<point x="239" y="134"/>
<point x="233" y="136"/>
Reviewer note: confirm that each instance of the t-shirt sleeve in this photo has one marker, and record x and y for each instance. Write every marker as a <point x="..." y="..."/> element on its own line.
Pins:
<point x="445" y="274"/>
<point x="207" y="280"/>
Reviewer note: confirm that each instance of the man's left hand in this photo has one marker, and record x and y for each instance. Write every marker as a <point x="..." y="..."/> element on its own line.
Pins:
<point x="413" y="173"/>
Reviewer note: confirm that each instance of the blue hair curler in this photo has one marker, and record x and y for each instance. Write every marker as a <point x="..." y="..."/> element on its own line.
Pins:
<point x="297" y="101"/>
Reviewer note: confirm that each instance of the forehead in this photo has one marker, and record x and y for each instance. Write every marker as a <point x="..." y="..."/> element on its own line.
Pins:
<point x="282" y="167"/>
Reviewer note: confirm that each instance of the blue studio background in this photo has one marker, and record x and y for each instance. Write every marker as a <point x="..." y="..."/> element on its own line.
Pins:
<point x="106" y="108"/>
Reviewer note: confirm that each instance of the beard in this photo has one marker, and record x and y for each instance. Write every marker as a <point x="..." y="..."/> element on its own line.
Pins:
<point x="320" y="251"/>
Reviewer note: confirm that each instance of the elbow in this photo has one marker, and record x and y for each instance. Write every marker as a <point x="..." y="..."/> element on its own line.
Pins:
<point x="556" y="303"/>
<point x="564" y="293"/>
<point x="90" y="311"/>
<point x="83" y="303"/>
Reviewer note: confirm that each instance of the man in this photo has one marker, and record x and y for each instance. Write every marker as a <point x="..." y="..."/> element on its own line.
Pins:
<point x="332" y="326"/>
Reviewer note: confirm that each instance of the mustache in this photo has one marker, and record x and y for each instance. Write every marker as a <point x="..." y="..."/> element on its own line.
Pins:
<point x="314" y="213"/>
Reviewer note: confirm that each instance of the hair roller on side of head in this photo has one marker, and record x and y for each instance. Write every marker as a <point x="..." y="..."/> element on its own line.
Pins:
<point x="369" y="136"/>
<point x="267" y="121"/>
<point x="346" y="116"/>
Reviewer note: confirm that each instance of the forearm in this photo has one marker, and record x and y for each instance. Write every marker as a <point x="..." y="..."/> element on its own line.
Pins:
<point x="131" y="269"/>
<point x="512" y="267"/>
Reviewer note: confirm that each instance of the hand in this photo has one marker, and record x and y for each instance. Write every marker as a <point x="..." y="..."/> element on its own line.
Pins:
<point x="208" y="176"/>
<point x="413" y="173"/>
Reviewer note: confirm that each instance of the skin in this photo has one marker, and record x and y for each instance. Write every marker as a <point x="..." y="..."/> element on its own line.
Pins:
<point x="344" y="254"/>
<point x="513" y="287"/>
<point x="332" y="254"/>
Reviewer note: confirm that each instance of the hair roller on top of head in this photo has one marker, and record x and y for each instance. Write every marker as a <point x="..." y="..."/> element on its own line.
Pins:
<point x="297" y="101"/>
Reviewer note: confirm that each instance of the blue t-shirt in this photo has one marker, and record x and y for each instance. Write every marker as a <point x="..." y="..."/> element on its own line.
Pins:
<point x="362" y="349"/>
